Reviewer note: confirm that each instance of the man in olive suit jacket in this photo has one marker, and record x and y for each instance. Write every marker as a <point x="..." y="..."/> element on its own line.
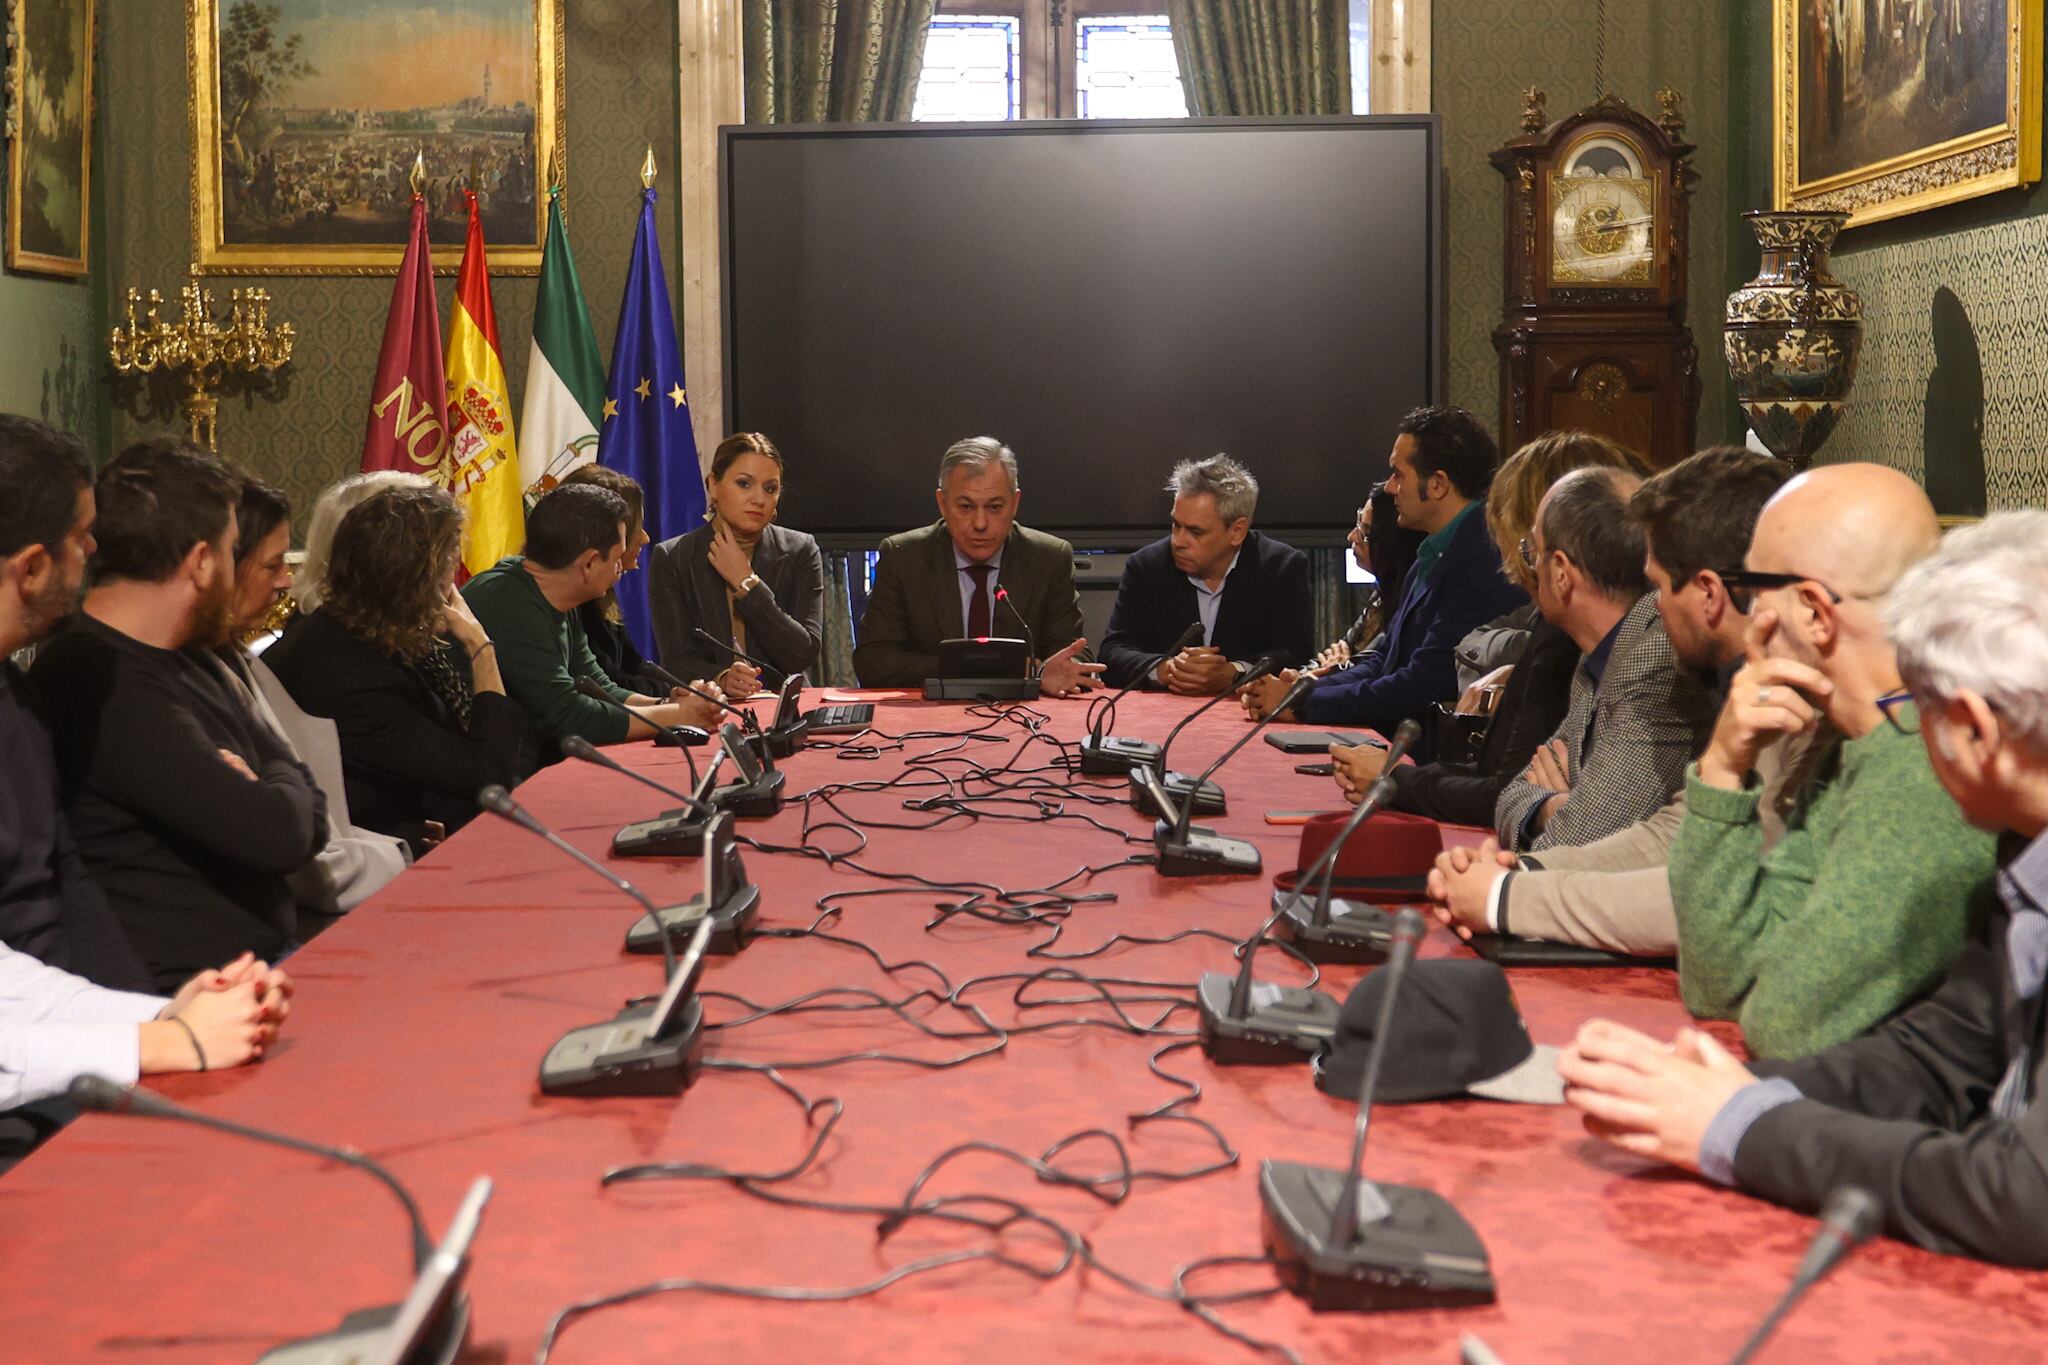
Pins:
<point x="974" y="572"/>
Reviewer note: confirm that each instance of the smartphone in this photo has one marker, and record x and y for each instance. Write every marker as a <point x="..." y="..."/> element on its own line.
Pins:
<point x="1292" y="817"/>
<point x="1316" y="769"/>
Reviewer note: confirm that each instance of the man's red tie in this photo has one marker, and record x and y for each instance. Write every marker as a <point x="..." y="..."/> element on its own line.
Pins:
<point x="979" y="606"/>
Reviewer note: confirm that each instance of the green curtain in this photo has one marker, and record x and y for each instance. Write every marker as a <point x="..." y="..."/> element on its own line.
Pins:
<point x="1245" y="57"/>
<point x="833" y="61"/>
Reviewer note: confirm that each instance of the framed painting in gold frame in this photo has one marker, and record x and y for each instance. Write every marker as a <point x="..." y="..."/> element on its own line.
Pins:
<point x="1887" y="107"/>
<point x="49" y="162"/>
<point x="307" y="114"/>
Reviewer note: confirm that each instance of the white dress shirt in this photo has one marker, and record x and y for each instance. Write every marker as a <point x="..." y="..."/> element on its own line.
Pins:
<point x="961" y="563"/>
<point x="1209" y="601"/>
<point x="55" y="1027"/>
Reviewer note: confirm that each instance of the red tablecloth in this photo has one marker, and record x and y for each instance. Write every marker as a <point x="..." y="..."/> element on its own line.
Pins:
<point x="422" y="1018"/>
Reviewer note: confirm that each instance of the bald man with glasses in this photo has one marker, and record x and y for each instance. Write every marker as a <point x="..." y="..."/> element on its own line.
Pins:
<point x="1862" y="904"/>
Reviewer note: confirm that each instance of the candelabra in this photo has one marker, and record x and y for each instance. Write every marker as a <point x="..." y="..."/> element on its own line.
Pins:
<point x="207" y="350"/>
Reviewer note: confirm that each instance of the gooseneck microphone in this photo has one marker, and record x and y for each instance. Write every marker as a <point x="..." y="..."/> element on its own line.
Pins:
<point x="1293" y="695"/>
<point x="577" y="747"/>
<point x="1187" y="850"/>
<point x="498" y="801"/>
<point x="671" y="736"/>
<point x="430" y="1323"/>
<point x="1030" y="640"/>
<point x="708" y="638"/>
<point x="1102" y="752"/>
<point x="1291" y="1024"/>
<point x="1342" y="1242"/>
<point x="1849" y="1217"/>
<point x="99" y="1093"/>
<point x="1344" y="1218"/>
<point x="1207" y="798"/>
<point x="646" y="1049"/>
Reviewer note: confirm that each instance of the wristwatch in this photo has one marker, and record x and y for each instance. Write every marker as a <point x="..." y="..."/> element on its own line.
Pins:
<point x="1238" y="668"/>
<point x="747" y="585"/>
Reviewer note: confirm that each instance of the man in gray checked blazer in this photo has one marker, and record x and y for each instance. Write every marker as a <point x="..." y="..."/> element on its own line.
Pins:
<point x="1637" y="715"/>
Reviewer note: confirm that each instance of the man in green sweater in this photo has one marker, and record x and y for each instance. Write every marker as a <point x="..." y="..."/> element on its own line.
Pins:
<point x="575" y="552"/>
<point x="1861" y="906"/>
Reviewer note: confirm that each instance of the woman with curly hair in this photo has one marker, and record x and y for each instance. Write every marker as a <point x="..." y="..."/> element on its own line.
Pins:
<point x="394" y="657"/>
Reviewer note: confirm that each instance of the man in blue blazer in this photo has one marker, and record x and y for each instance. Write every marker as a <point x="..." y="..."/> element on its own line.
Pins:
<point x="1248" y="592"/>
<point x="1440" y="468"/>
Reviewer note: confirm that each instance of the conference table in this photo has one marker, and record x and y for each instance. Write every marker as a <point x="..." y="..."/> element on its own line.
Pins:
<point x="421" y="1019"/>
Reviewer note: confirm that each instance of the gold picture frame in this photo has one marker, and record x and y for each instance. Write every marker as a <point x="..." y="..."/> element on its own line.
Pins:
<point x="49" y="160"/>
<point x="1940" y="104"/>
<point x="320" y="188"/>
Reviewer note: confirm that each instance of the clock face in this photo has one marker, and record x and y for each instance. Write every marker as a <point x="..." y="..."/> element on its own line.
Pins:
<point x="1603" y="216"/>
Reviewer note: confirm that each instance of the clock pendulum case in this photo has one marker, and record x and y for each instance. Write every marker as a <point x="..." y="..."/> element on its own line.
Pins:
<point x="1593" y="334"/>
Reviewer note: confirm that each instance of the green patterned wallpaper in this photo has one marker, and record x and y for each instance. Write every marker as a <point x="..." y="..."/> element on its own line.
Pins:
<point x="1483" y="53"/>
<point x="621" y="94"/>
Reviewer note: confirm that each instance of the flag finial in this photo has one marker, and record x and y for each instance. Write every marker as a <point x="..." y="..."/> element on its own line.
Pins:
<point x="554" y="169"/>
<point x="419" y="172"/>
<point x="476" y="170"/>
<point x="647" y="168"/>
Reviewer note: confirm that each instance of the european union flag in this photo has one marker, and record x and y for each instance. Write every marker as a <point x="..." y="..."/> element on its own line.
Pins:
<point x="646" y="427"/>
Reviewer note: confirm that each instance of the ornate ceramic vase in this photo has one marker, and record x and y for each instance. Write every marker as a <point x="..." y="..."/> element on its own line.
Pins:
<point x="1792" y="335"/>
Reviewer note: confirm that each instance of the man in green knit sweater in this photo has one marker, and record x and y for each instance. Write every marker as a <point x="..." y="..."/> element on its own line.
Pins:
<point x="575" y="552"/>
<point x="1862" y="905"/>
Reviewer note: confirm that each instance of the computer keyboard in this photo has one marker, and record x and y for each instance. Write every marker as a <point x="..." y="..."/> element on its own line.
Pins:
<point x="845" y="716"/>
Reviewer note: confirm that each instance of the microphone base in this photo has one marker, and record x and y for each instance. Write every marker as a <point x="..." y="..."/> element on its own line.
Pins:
<point x="617" y="1058"/>
<point x="1208" y="797"/>
<point x="672" y="834"/>
<point x="981" y="689"/>
<point x="363" y="1335"/>
<point x="1109" y="755"/>
<point x="1204" y="853"/>
<point x="756" y="800"/>
<point x="1422" y="1254"/>
<point x="1286" y="1025"/>
<point x="1357" y="932"/>
<point x="731" y="924"/>
<point x="785" y="741"/>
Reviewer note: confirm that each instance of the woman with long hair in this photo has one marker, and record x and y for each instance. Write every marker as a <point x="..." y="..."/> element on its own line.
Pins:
<point x="394" y="657"/>
<point x="754" y="587"/>
<point x="355" y="863"/>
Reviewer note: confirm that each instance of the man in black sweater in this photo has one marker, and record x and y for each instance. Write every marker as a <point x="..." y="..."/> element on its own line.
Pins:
<point x="49" y="906"/>
<point x="1248" y="592"/>
<point x="1941" y="1112"/>
<point x="189" y="813"/>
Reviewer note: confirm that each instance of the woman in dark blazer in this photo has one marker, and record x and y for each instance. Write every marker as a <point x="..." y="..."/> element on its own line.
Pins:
<point x="740" y="578"/>
<point x="396" y="660"/>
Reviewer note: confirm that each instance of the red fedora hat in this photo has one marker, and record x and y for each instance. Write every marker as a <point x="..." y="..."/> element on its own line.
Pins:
<point x="1391" y="853"/>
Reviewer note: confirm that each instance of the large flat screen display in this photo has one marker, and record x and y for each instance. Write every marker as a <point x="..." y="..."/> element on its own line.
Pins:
<point x="1107" y="298"/>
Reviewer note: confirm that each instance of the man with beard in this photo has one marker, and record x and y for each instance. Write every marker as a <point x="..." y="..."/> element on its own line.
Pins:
<point x="190" y="814"/>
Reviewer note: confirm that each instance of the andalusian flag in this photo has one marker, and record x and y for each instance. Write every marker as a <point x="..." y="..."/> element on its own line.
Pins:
<point x="482" y="448"/>
<point x="564" y="377"/>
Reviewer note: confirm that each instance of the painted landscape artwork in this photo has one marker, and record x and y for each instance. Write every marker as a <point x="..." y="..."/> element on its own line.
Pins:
<point x="51" y="167"/>
<point x="318" y="108"/>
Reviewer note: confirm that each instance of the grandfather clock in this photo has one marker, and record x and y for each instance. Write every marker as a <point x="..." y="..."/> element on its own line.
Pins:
<point x="1593" y="334"/>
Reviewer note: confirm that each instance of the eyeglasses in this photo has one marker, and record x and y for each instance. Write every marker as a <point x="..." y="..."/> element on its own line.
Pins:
<point x="1893" y="705"/>
<point x="1528" y="553"/>
<point x="1743" y="586"/>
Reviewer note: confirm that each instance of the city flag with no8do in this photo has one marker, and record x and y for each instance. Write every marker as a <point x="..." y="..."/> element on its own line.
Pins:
<point x="408" y="427"/>
<point x="646" y="421"/>
<point x="483" y="453"/>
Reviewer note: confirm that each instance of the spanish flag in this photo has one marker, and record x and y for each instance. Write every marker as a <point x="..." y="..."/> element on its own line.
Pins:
<point x="483" y="451"/>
